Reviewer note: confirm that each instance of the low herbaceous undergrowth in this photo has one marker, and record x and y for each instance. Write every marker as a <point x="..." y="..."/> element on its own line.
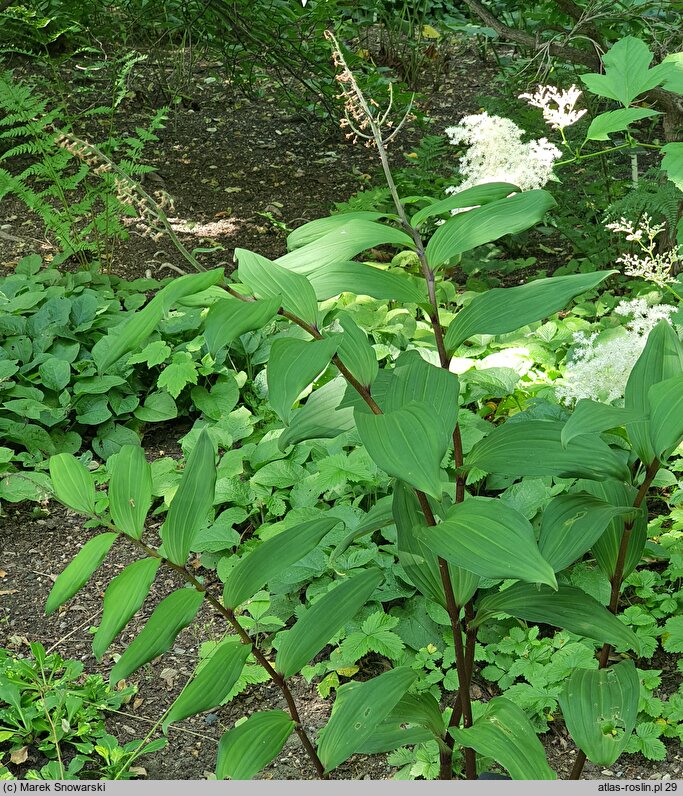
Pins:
<point x="444" y="539"/>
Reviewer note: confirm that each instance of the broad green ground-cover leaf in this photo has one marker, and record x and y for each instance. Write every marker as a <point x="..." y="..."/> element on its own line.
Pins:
<point x="600" y="707"/>
<point x="504" y="309"/>
<point x="491" y="539"/>
<point x="173" y="613"/>
<point x="124" y="595"/>
<point x="504" y="733"/>
<point x="133" y="331"/>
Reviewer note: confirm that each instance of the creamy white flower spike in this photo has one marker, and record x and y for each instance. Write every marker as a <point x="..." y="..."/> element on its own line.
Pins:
<point x="600" y="370"/>
<point x="497" y="153"/>
<point x="648" y="264"/>
<point x="557" y="105"/>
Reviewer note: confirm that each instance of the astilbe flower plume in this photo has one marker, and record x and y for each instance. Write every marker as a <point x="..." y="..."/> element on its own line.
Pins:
<point x="600" y="369"/>
<point x="557" y="105"/>
<point x="648" y="263"/>
<point x="497" y="153"/>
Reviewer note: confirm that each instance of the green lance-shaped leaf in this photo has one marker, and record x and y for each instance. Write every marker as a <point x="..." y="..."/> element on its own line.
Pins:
<point x="267" y="280"/>
<point x="592" y="417"/>
<point x="130" y="490"/>
<point x="408" y="443"/>
<point x="422" y="709"/>
<point x="504" y="733"/>
<point x="319" y="417"/>
<point x="365" y="279"/>
<point x="661" y="359"/>
<point x="505" y="309"/>
<point x="414" y="379"/>
<point x="123" y="597"/>
<point x="173" y="613"/>
<point x="73" y="483"/>
<point x="484" y="224"/>
<point x="568" y="607"/>
<point x="470" y="197"/>
<point x="292" y="366"/>
<point x="600" y="708"/>
<point x="249" y="747"/>
<point x="323" y="619"/>
<point x="606" y="547"/>
<point x="230" y="317"/>
<point x="192" y="502"/>
<point x="491" y="539"/>
<point x="627" y="72"/>
<point x="534" y="448"/>
<point x="615" y="121"/>
<point x="271" y="558"/>
<point x="307" y="233"/>
<point x="666" y="415"/>
<point x="390" y="735"/>
<point x="137" y="328"/>
<point x="211" y="684"/>
<point x="572" y="523"/>
<point x="359" y="708"/>
<point x="341" y="244"/>
<point x="78" y="572"/>
<point x="379" y="516"/>
<point x="355" y="351"/>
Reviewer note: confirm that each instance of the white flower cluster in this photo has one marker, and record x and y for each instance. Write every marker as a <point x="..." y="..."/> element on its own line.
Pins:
<point x="647" y="264"/>
<point x="600" y="370"/>
<point x="557" y="106"/>
<point x="497" y="153"/>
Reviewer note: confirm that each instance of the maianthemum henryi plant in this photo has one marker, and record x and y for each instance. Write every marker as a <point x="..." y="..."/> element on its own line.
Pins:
<point x="469" y="552"/>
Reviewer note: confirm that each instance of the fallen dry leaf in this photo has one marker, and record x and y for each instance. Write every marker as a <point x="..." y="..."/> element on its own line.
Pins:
<point x="19" y="756"/>
<point x="139" y="771"/>
<point x="3" y="574"/>
<point x="8" y="591"/>
<point x="169" y="675"/>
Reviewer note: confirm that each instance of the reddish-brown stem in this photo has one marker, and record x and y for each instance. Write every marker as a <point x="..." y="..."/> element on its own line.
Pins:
<point x="616" y="581"/>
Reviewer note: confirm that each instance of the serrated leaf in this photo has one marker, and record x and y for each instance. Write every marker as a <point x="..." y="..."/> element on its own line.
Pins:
<point x="672" y="163"/>
<point x="491" y="539"/>
<point x="181" y="371"/>
<point x="211" y="684"/>
<point x="173" y="613"/>
<point x="568" y="607"/>
<point x="504" y="733"/>
<point x="292" y="366"/>
<point x="130" y="490"/>
<point x="230" y="318"/>
<point x="192" y="502"/>
<point x="73" y="483"/>
<point x="408" y="443"/>
<point x="359" y="708"/>
<point x="249" y="747"/>
<point x="615" y="121"/>
<point x="271" y="558"/>
<point x="600" y="708"/>
<point x="123" y="597"/>
<point x="78" y="572"/>
<point x="323" y="619"/>
<point x="505" y="309"/>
